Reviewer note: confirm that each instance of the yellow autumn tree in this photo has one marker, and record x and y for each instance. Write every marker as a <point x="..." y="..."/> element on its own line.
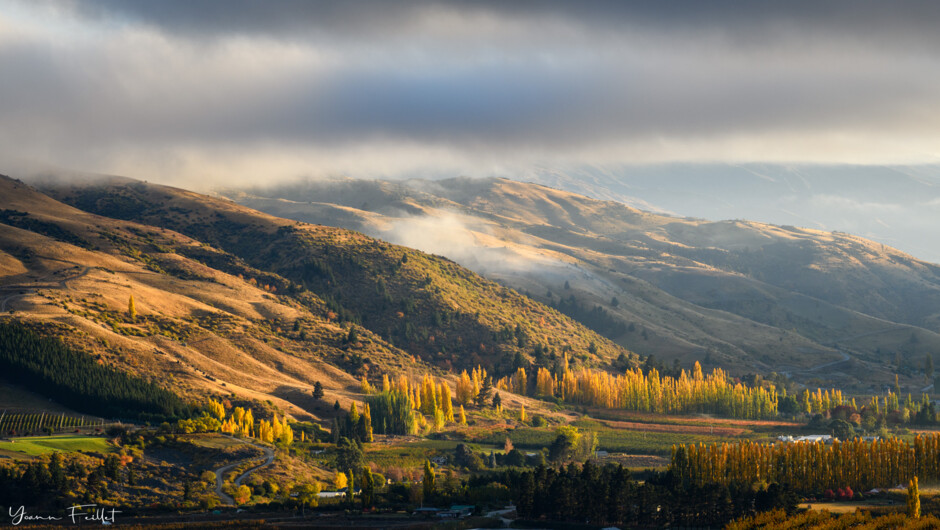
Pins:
<point x="339" y="480"/>
<point x="465" y="392"/>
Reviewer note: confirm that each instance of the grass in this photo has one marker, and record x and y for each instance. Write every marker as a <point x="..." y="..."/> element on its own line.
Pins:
<point x="41" y="445"/>
<point x="408" y="455"/>
<point x="213" y="441"/>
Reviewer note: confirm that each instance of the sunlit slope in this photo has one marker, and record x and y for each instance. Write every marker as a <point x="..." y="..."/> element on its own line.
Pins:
<point x="746" y="295"/>
<point x="199" y="329"/>
<point x="426" y="305"/>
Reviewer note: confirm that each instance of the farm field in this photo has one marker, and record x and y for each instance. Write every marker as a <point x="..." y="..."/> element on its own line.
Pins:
<point x="663" y="419"/>
<point x="40" y="445"/>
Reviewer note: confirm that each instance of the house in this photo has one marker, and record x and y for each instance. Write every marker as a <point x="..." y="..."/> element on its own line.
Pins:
<point x="426" y="512"/>
<point x="463" y="510"/>
<point x="811" y="438"/>
<point x="816" y="438"/>
<point x="330" y="494"/>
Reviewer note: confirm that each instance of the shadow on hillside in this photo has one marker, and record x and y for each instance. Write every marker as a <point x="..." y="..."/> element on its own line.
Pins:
<point x="315" y="408"/>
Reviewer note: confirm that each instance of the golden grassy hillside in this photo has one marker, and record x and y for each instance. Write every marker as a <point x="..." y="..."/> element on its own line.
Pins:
<point x="232" y="302"/>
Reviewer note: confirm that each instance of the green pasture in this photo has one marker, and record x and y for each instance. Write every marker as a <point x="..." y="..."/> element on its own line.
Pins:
<point x="40" y="445"/>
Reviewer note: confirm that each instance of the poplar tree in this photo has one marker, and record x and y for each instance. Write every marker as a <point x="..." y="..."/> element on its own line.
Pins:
<point x="428" y="482"/>
<point x="913" y="499"/>
<point x="368" y="488"/>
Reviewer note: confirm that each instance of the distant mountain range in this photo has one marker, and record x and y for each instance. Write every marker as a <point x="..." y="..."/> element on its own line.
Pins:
<point x="819" y="306"/>
<point x="895" y="205"/>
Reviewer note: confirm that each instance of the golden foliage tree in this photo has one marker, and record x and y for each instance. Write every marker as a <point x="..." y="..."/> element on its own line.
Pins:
<point x="913" y="499"/>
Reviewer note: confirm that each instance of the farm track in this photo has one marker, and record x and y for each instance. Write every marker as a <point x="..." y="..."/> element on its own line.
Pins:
<point x="27" y="291"/>
<point x="220" y="472"/>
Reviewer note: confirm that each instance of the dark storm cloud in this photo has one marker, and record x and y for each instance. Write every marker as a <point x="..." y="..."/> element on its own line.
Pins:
<point x="866" y="20"/>
<point x="99" y="82"/>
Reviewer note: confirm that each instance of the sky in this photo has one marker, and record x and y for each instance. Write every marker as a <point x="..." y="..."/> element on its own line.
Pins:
<point x="197" y="92"/>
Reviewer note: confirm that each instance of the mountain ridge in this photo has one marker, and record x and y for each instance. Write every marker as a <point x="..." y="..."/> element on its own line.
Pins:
<point x="815" y="289"/>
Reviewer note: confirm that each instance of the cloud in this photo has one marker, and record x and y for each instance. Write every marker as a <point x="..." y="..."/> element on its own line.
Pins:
<point x="469" y="242"/>
<point x="196" y="91"/>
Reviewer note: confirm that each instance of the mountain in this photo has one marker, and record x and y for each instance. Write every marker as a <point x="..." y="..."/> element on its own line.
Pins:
<point x="891" y="204"/>
<point x="231" y="301"/>
<point x="744" y="295"/>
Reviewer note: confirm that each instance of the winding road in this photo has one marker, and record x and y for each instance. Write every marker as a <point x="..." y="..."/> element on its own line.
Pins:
<point x="26" y="291"/>
<point x="220" y="473"/>
<point x="845" y="357"/>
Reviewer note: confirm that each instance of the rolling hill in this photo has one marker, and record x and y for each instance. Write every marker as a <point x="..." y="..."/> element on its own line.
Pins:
<point x="229" y="301"/>
<point x="744" y="295"/>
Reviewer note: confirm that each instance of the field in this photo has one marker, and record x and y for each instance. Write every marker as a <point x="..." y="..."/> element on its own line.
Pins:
<point x="408" y="453"/>
<point x="40" y="445"/>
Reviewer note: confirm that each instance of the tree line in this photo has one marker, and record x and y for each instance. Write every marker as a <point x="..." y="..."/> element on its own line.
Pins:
<point x="695" y="392"/>
<point x="808" y="467"/>
<point x="607" y="495"/>
<point x="54" y="369"/>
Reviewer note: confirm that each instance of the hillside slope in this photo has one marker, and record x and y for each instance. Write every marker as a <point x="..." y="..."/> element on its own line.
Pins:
<point x="233" y="302"/>
<point x="745" y="295"/>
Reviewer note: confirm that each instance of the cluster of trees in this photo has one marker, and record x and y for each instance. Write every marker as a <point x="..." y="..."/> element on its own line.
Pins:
<point x="693" y="392"/>
<point x="354" y="426"/>
<point x="404" y="406"/>
<point x="241" y="422"/>
<point x="818" y="402"/>
<point x="35" y="421"/>
<point x="474" y="387"/>
<point x="53" y="480"/>
<point x="811" y="467"/>
<point x="74" y="377"/>
<point x="596" y="318"/>
<point x="607" y="495"/>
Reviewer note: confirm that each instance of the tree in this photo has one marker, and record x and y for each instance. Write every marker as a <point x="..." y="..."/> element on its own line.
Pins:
<point x="368" y="488"/>
<point x="522" y="415"/>
<point x="428" y="482"/>
<point x="351" y="485"/>
<point x="842" y="429"/>
<point x="339" y="480"/>
<point x="131" y="308"/>
<point x="481" y="397"/>
<point x="318" y="390"/>
<point x="242" y="494"/>
<point x="913" y="499"/>
<point x="497" y="401"/>
<point x="348" y="455"/>
<point x="307" y="494"/>
<point x="366" y="424"/>
<point x="463" y="416"/>
<point x="465" y="392"/>
<point x="928" y="366"/>
<point x="571" y="443"/>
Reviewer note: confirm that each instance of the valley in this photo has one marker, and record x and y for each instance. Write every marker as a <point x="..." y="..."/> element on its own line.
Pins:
<point x="476" y="331"/>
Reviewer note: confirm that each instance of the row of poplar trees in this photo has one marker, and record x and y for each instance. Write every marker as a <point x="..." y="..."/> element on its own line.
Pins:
<point x="811" y="467"/>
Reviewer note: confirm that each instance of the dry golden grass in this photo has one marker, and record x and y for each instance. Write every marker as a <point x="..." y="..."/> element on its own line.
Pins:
<point x="87" y="291"/>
